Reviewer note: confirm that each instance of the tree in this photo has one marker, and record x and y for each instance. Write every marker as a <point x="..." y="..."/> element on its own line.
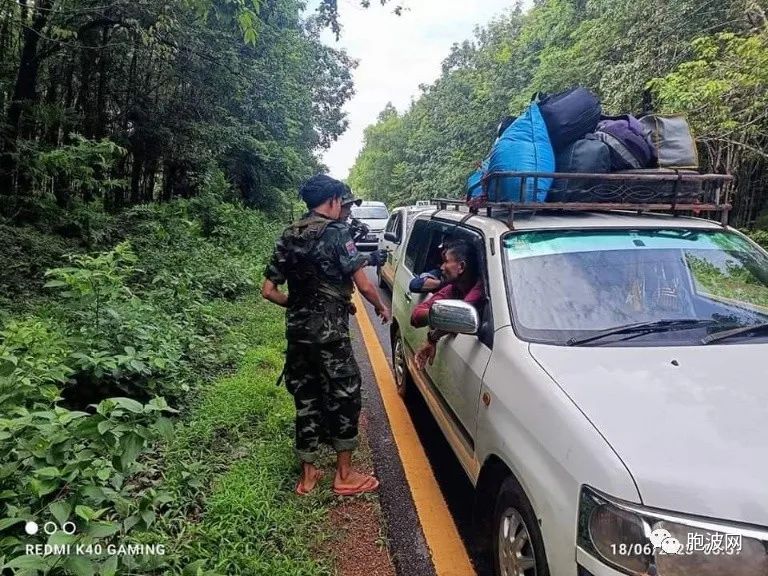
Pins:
<point x="708" y="57"/>
<point x="246" y="85"/>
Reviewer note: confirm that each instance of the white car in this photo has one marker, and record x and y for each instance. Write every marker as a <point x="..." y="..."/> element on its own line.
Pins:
<point x="393" y="241"/>
<point x="374" y="215"/>
<point x="610" y="400"/>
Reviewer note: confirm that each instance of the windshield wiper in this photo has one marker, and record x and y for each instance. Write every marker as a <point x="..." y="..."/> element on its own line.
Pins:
<point x="643" y="328"/>
<point x="722" y="335"/>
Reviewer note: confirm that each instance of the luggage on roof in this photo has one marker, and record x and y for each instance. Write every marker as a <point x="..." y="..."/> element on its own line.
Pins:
<point x="523" y="146"/>
<point x="630" y="148"/>
<point x="599" y="159"/>
<point x="671" y="136"/>
<point x="569" y="115"/>
<point x="588" y="155"/>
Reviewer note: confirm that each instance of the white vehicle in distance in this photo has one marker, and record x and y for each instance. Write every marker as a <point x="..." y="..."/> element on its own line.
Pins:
<point x="609" y="399"/>
<point x="374" y="215"/>
<point x="393" y="241"/>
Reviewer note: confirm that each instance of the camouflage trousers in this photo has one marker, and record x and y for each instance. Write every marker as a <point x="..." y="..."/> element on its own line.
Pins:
<point x="324" y="380"/>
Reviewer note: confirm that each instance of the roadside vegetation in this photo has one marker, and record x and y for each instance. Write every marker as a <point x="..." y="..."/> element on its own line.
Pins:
<point x="138" y="400"/>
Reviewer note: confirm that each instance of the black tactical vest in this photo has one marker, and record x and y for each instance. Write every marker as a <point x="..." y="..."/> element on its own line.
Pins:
<point x="307" y="280"/>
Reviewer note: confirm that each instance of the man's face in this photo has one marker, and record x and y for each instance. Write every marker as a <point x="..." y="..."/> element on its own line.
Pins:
<point x="451" y="268"/>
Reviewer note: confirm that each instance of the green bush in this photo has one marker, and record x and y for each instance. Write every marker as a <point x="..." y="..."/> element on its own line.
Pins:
<point x="759" y="236"/>
<point x="25" y="256"/>
<point x="75" y="466"/>
<point x="141" y="334"/>
<point x="33" y="356"/>
<point x="88" y="223"/>
<point x="83" y="379"/>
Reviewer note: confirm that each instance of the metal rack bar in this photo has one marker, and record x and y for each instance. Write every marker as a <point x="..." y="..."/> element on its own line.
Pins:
<point x="711" y="193"/>
<point x="628" y="175"/>
<point x="443" y="204"/>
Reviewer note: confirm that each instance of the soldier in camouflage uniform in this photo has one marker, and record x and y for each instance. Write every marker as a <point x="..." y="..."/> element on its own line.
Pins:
<point x="318" y="259"/>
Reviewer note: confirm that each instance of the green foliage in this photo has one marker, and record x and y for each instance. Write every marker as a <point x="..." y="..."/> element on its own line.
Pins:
<point x="83" y="381"/>
<point x="25" y="256"/>
<point x="760" y="236"/>
<point x="33" y="355"/>
<point x="725" y="83"/>
<point x="132" y="102"/>
<point x="705" y="59"/>
<point x="66" y="464"/>
<point x="72" y="465"/>
<point x="82" y="166"/>
<point x="122" y="341"/>
<point x="234" y="511"/>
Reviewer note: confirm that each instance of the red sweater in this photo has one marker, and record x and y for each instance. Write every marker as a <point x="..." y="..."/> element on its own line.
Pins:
<point x="475" y="296"/>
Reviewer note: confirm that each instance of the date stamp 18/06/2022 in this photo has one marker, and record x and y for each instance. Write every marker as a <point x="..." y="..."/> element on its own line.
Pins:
<point x="662" y="542"/>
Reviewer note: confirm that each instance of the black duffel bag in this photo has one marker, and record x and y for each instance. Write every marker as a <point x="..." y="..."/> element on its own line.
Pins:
<point x="569" y="115"/>
<point x="587" y="155"/>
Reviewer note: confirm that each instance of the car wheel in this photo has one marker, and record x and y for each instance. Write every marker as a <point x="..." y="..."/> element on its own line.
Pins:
<point x="518" y="548"/>
<point x="400" y="365"/>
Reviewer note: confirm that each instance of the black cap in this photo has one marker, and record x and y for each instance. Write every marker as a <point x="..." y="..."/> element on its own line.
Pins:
<point x="349" y="198"/>
<point x="320" y="188"/>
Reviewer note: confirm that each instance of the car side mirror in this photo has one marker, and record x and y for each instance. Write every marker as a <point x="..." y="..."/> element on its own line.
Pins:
<point x="454" y="316"/>
<point x="391" y="237"/>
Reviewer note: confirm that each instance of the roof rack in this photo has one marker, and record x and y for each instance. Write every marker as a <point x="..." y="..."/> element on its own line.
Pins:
<point x="639" y="191"/>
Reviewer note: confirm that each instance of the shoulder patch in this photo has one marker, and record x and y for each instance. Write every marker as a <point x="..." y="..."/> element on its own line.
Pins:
<point x="351" y="248"/>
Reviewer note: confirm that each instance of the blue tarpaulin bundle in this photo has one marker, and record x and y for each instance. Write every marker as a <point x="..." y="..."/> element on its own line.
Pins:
<point x="523" y="147"/>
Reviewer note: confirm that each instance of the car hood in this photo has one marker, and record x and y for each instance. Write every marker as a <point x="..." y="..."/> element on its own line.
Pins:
<point x="690" y="423"/>
<point x="375" y="225"/>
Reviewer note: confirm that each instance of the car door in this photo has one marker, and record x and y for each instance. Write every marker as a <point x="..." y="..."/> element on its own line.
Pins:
<point x="461" y="359"/>
<point x="414" y="260"/>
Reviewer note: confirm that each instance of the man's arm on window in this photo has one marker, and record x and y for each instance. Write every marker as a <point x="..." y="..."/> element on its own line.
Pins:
<point x="420" y="314"/>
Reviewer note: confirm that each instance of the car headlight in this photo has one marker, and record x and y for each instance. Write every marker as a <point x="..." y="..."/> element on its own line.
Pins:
<point x="638" y="540"/>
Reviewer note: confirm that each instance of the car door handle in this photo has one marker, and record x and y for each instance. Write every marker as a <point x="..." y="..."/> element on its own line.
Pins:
<point x="408" y="297"/>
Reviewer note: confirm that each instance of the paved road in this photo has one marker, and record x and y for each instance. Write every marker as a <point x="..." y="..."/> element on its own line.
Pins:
<point x="408" y="547"/>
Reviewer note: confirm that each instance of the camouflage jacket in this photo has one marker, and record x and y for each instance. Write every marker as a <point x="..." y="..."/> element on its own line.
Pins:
<point x="317" y="258"/>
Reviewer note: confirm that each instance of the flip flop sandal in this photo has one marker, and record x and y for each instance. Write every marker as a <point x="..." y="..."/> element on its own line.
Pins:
<point x="369" y="485"/>
<point x="301" y="491"/>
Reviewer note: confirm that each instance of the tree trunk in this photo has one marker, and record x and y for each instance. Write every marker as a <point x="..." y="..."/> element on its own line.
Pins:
<point x="169" y="175"/>
<point x="149" y="174"/>
<point x="85" y="100"/>
<point x="51" y="98"/>
<point x="100" y="129"/>
<point x="24" y="93"/>
<point x="5" y="47"/>
<point x="136" y="169"/>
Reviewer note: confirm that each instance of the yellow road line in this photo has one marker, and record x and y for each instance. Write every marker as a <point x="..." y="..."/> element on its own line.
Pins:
<point x="448" y="553"/>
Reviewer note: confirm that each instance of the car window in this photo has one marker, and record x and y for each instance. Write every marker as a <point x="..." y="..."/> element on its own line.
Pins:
<point x="573" y="283"/>
<point x="419" y="236"/>
<point x="429" y="246"/>
<point x="370" y="212"/>
<point x="392" y="222"/>
<point x="398" y="227"/>
<point x="485" y="334"/>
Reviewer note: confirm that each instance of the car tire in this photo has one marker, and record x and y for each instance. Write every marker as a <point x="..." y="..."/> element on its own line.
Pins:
<point x="403" y="381"/>
<point x="517" y="546"/>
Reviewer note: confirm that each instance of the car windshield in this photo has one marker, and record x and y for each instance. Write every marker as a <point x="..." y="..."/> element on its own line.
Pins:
<point x="370" y="212"/>
<point x="570" y="285"/>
